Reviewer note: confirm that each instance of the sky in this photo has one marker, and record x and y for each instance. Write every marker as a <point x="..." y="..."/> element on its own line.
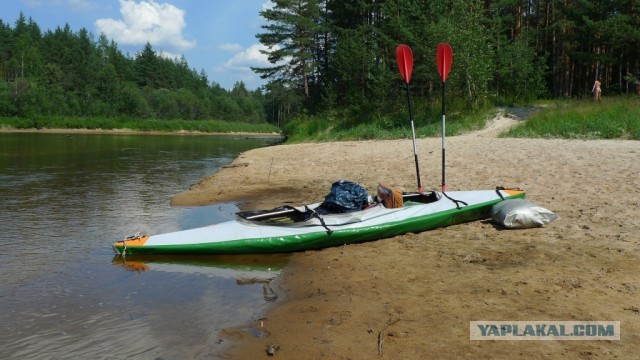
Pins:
<point x="217" y="36"/>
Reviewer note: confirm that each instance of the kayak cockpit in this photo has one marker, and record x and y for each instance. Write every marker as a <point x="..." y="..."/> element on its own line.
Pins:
<point x="410" y="199"/>
<point x="315" y="213"/>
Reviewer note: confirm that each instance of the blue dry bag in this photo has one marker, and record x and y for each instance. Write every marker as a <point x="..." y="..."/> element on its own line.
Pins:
<point x="345" y="196"/>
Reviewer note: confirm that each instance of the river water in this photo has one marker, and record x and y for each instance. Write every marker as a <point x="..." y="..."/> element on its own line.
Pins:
<point x="64" y="295"/>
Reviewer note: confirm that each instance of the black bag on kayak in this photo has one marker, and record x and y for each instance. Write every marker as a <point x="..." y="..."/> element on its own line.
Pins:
<point x="345" y="196"/>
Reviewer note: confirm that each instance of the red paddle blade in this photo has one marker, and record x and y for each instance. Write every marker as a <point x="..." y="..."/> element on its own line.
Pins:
<point x="444" y="57"/>
<point x="405" y="61"/>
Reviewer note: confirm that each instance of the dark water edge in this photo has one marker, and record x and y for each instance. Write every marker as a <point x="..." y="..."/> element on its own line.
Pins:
<point x="65" y="199"/>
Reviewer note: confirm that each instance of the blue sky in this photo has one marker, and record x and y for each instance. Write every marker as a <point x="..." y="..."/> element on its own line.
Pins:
<point x="215" y="35"/>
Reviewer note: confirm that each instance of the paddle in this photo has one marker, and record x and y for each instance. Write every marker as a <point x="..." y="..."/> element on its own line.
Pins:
<point x="404" y="56"/>
<point x="443" y="58"/>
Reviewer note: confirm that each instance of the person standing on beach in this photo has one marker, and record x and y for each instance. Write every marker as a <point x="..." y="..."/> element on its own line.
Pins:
<point x="597" y="89"/>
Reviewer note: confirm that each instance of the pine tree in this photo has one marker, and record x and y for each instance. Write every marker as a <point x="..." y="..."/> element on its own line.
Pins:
<point x="290" y="38"/>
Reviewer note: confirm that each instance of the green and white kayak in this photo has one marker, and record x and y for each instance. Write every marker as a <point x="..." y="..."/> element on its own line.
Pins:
<point x="292" y="229"/>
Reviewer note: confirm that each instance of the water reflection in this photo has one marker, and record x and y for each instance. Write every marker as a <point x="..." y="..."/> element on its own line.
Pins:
<point x="244" y="269"/>
<point x="144" y="307"/>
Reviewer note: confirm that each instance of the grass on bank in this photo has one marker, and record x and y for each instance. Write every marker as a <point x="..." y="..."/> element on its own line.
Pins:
<point x="205" y="126"/>
<point x="427" y="123"/>
<point x="611" y="118"/>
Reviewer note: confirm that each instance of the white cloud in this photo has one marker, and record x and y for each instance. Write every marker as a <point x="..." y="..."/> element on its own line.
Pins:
<point x="239" y="66"/>
<point x="241" y="63"/>
<point x="147" y="21"/>
<point x="250" y="57"/>
<point x="268" y="5"/>
<point x="168" y="55"/>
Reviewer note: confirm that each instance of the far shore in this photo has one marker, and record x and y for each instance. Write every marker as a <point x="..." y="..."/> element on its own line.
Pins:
<point x="136" y="132"/>
<point x="414" y="296"/>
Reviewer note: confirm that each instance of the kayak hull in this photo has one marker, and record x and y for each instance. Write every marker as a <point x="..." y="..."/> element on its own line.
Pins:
<point x="247" y="237"/>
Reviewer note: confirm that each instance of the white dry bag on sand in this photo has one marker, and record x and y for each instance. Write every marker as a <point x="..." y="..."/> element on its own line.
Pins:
<point x="521" y="214"/>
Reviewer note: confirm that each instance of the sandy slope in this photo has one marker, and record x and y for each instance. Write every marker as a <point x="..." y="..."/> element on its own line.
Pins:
<point x="418" y="292"/>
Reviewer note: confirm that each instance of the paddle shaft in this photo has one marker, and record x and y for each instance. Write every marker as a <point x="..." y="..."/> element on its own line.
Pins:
<point x="444" y="56"/>
<point x="404" y="56"/>
<point x="444" y="147"/>
<point x="269" y="214"/>
<point x="413" y="136"/>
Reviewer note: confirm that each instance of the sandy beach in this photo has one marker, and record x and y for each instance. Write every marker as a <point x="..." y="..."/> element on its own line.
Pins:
<point x="413" y="296"/>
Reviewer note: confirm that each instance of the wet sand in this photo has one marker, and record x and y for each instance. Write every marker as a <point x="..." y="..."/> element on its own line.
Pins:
<point x="413" y="296"/>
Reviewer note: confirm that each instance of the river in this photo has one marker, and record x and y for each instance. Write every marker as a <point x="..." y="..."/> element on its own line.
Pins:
<point x="64" y="295"/>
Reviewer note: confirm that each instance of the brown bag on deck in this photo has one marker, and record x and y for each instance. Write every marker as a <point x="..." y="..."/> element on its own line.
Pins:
<point x="390" y="197"/>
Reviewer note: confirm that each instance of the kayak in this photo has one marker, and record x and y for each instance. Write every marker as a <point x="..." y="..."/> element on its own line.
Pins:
<point x="291" y="229"/>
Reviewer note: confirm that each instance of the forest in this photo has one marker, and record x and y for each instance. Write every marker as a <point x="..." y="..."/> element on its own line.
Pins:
<point x="337" y="58"/>
<point x="340" y="54"/>
<point x="65" y="73"/>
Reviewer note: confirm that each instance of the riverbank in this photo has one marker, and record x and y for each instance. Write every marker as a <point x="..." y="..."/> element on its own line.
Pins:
<point x="142" y="125"/>
<point x="137" y="132"/>
<point x="413" y="296"/>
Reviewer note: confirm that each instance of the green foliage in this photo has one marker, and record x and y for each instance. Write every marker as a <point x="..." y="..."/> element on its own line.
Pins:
<point x="504" y="52"/>
<point x="291" y="33"/>
<point x="613" y="118"/>
<point x="473" y="51"/>
<point x="68" y="74"/>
